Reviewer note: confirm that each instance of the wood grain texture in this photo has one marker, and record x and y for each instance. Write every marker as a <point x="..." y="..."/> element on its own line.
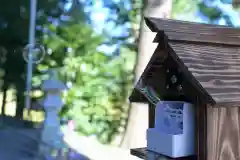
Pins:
<point x="161" y="67"/>
<point x="195" y="32"/>
<point x="216" y="67"/>
<point x="201" y="132"/>
<point x="223" y="133"/>
<point x="193" y="87"/>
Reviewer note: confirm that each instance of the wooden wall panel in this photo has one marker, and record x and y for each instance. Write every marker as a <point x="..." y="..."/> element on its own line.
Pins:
<point x="151" y="115"/>
<point x="223" y="131"/>
<point x="201" y="132"/>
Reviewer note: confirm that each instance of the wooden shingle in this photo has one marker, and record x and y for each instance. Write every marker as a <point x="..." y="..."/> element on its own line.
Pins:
<point x="205" y="58"/>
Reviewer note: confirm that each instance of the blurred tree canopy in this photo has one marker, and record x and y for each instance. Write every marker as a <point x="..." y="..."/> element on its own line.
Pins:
<point x="99" y="83"/>
<point x="14" y="18"/>
<point x="220" y="12"/>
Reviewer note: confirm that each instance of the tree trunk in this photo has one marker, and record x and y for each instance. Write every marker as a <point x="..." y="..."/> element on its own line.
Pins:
<point x="5" y="88"/>
<point x="138" y="118"/>
<point x="6" y="83"/>
<point x="20" y="88"/>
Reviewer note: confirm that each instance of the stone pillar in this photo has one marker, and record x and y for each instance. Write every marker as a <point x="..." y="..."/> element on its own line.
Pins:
<point x="52" y="104"/>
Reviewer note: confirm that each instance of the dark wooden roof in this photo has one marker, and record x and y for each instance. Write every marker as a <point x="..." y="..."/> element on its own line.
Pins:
<point x="195" y="32"/>
<point x="208" y="57"/>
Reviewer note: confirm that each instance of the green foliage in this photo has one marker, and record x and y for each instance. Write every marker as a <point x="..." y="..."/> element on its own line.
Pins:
<point x="211" y="13"/>
<point x="99" y="84"/>
<point x="184" y="9"/>
<point x="206" y="11"/>
<point x="97" y="98"/>
<point x="14" y="28"/>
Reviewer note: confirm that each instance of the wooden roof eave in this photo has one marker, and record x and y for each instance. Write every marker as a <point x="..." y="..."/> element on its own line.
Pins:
<point x="136" y="95"/>
<point x="154" y="26"/>
<point x="186" y="31"/>
<point x="223" y="43"/>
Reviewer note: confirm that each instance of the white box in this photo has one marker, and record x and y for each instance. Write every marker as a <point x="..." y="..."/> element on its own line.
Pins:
<point x="174" y="132"/>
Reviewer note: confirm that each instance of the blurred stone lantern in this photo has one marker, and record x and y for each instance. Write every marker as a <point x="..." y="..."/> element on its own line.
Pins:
<point x="52" y="104"/>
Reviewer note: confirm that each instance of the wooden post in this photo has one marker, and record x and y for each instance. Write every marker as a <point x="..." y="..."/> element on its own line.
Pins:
<point x="151" y="115"/>
<point x="201" y="130"/>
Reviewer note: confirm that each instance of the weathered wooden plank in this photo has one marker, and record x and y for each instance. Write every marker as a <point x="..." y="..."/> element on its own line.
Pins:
<point x="139" y="152"/>
<point x="151" y="115"/>
<point x="195" y="32"/>
<point x="158" y="78"/>
<point x="216" y="67"/>
<point x="143" y="153"/>
<point x="223" y="133"/>
<point x="201" y="92"/>
<point x="201" y="132"/>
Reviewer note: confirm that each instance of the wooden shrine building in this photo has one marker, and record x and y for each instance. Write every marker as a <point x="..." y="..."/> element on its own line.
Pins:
<point x="205" y="61"/>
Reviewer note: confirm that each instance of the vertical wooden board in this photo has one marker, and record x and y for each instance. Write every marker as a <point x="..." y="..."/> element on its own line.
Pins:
<point x="201" y="132"/>
<point x="223" y="130"/>
<point x="151" y="116"/>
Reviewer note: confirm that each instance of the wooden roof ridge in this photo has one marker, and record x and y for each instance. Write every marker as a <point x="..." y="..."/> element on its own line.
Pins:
<point x="208" y="57"/>
<point x="194" y="32"/>
<point x="136" y="96"/>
